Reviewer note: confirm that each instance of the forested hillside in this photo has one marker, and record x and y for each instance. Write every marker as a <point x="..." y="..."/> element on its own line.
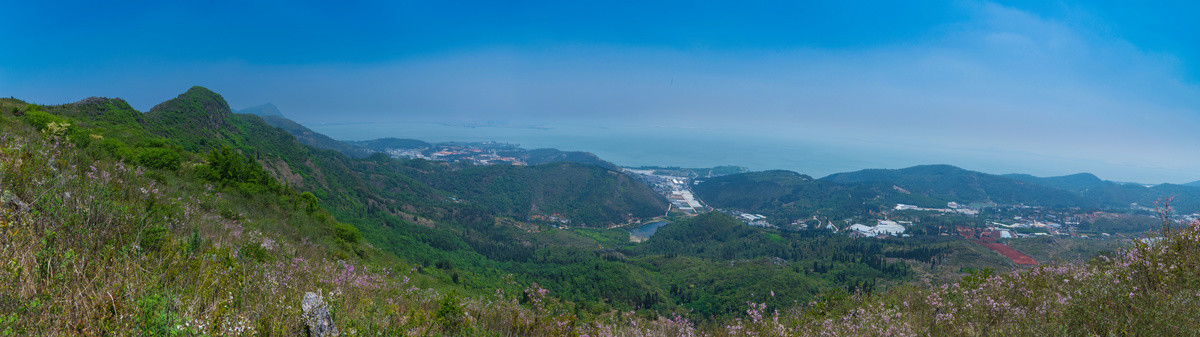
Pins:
<point x="452" y="226"/>
<point x="394" y="203"/>
<point x="468" y="225"/>
<point x="789" y="196"/>
<point x="192" y="220"/>
<point x="1185" y="198"/>
<point x="955" y="184"/>
<point x="588" y="195"/>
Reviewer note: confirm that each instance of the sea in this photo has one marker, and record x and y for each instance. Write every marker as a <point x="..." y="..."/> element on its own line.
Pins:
<point x="632" y="146"/>
<point x="816" y="152"/>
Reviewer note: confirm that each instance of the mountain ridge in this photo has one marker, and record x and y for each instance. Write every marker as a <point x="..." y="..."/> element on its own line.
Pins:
<point x="956" y="184"/>
<point x="264" y="110"/>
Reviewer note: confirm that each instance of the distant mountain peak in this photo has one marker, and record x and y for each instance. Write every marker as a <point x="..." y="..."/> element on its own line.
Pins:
<point x="1085" y="175"/>
<point x="196" y="97"/>
<point x="1075" y="182"/>
<point x="262" y="110"/>
<point x="934" y="168"/>
<point x="101" y="100"/>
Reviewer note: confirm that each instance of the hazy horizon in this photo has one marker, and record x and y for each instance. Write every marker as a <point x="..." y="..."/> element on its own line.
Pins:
<point x="998" y="87"/>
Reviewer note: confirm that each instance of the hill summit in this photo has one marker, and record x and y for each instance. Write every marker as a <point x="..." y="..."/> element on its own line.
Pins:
<point x="953" y="183"/>
<point x="198" y="106"/>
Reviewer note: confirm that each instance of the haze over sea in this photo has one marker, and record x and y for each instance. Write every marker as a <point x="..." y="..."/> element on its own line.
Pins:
<point x="817" y="155"/>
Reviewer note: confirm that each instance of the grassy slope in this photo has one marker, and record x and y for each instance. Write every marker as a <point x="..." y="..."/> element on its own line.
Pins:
<point x="108" y="247"/>
<point x="113" y="248"/>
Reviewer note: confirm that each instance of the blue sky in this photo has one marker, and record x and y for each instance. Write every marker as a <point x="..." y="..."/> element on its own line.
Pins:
<point x="1063" y="87"/>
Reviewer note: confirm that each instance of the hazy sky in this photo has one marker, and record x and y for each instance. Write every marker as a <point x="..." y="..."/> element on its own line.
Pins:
<point x="1098" y="87"/>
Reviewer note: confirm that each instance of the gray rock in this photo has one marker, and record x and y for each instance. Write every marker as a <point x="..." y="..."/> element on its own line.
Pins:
<point x="12" y="201"/>
<point x="317" y="320"/>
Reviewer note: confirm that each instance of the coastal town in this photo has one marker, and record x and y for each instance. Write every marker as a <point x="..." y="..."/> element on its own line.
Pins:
<point x="985" y="220"/>
<point x="989" y="224"/>
<point x="677" y="189"/>
<point x="480" y="153"/>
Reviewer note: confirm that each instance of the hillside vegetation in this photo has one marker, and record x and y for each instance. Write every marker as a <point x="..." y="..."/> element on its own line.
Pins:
<point x="93" y="242"/>
<point x="1185" y="198"/>
<point x="459" y="226"/>
<point x="391" y="203"/>
<point x="191" y="220"/>
<point x="788" y="196"/>
<point x="955" y="184"/>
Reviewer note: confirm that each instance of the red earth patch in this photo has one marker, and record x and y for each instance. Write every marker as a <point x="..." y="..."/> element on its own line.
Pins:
<point x="988" y="238"/>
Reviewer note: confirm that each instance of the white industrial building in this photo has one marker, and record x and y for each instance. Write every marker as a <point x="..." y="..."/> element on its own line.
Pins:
<point x="885" y="227"/>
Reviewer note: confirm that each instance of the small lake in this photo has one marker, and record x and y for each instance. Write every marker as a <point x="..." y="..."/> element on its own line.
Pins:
<point x="645" y="231"/>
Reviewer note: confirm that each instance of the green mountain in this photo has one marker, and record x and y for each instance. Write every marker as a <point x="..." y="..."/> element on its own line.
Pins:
<point x="955" y="184"/>
<point x="1075" y="183"/>
<point x="788" y="196"/>
<point x="109" y="112"/>
<point x="588" y="195"/>
<point x="197" y="119"/>
<point x="547" y="156"/>
<point x="1113" y="194"/>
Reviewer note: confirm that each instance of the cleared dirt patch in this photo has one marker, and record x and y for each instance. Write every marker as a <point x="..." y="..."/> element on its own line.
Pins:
<point x="988" y="238"/>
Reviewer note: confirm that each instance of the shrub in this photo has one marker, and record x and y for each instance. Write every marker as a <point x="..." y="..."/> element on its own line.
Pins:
<point x="152" y="142"/>
<point x="449" y="314"/>
<point x="310" y="202"/>
<point x="160" y="158"/>
<point x="80" y="136"/>
<point x="254" y="251"/>
<point x="231" y="214"/>
<point x="194" y="242"/>
<point x="41" y="119"/>
<point x="230" y="168"/>
<point x="116" y="148"/>
<point x="154" y="238"/>
<point x="158" y="318"/>
<point x="346" y="232"/>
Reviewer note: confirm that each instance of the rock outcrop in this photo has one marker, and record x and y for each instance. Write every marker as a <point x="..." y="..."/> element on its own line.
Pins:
<point x="317" y="321"/>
